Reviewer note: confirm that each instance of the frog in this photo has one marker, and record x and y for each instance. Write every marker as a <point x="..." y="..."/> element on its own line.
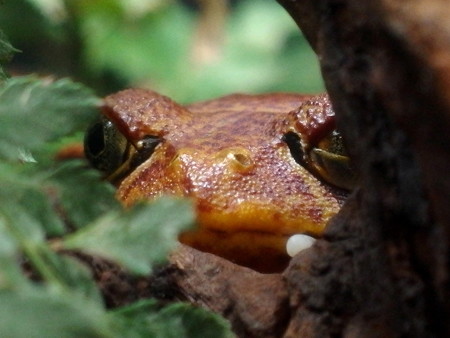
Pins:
<point x="259" y="168"/>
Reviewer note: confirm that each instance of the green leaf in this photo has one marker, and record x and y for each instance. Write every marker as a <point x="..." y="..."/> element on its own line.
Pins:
<point x="11" y="276"/>
<point x="52" y="195"/>
<point x="193" y="322"/>
<point x="37" y="312"/>
<point x="82" y="195"/>
<point x="22" y="226"/>
<point x="135" y="320"/>
<point x="136" y="238"/>
<point x="14" y="180"/>
<point x="20" y="229"/>
<point x="152" y="47"/>
<point x="68" y="273"/>
<point x="35" y="111"/>
<point x="6" y="53"/>
<point x="39" y="205"/>
<point x="148" y="319"/>
<point x="6" y="49"/>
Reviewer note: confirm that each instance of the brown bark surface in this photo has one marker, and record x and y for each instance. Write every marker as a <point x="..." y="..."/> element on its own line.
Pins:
<point x="382" y="269"/>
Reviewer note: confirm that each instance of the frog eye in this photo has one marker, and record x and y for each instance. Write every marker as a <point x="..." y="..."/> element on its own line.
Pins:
<point x="105" y="147"/>
<point x="110" y="152"/>
<point x="328" y="159"/>
<point x="331" y="161"/>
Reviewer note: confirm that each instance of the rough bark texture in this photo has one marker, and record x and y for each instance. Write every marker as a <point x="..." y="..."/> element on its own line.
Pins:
<point x="257" y="305"/>
<point x="382" y="269"/>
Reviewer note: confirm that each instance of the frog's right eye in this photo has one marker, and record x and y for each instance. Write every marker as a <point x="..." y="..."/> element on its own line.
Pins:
<point x="331" y="161"/>
<point x="327" y="159"/>
<point x="105" y="147"/>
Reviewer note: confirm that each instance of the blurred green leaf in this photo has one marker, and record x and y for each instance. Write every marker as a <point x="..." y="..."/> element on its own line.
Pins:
<point x="52" y="10"/>
<point x="69" y="194"/>
<point x="38" y="204"/>
<point x="70" y="274"/>
<point x="112" y="44"/>
<point x="6" y="53"/>
<point x="45" y="41"/>
<point x="151" y="48"/>
<point x="81" y="193"/>
<point x="193" y="322"/>
<point x="38" y="312"/>
<point x="148" y="319"/>
<point x="138" y="238"/>
<point x="35" y="111"/>
<point x="155" y="49"/>
<point x="6" y="50"/>
<point x="20" y="228"/>
<point x="25" y="229"/>
<point x="11" y="276"/>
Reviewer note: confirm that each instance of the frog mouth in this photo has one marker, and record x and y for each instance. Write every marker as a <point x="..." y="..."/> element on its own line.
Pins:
<point x="260" y="251"/>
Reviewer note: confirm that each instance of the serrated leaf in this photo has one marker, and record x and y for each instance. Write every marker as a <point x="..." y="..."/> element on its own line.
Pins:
<point x="68" y="273"/>
<point x="193" y="322"/>
<point x="135" y="238"/>
<point x="10" y="275"/>
<point x="39" y="206"/>
<point x="6" y="53"/>
<point x="22" y="226"/>
<point x="133" y="320"/>
<point x="35" y="111"/>
<point x="19" y="228"/>
<point x="12" y="182"/>
<point x="39" y="313"/>
<point x="148" y="319"/>
<point x="82" y="195"/>
<point x="6" y="49"/>
<point x="70" y="194"/>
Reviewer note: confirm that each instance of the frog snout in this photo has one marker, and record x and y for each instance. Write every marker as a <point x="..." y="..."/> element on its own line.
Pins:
<point x="200" y="166"/>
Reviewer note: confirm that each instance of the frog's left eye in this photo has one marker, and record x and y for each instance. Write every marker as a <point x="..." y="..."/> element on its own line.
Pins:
<point x="110" y="152"/>
<point x="327" y="159"/>
<point x="105" y="147"/>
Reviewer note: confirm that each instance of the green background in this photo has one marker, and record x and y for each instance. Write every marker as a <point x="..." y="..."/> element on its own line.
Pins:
<point x="113" y="44"/>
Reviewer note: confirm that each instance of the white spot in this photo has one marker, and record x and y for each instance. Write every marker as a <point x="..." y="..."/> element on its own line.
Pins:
<point x="25" y="156"/>
<point x="297" y="243"/>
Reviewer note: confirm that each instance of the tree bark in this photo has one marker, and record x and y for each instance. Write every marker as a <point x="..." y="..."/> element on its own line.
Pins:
<point x="383" y="268"/>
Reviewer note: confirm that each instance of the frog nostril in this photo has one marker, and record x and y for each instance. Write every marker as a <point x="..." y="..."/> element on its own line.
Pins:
<point x="243" y="159"/>
<point x="239" y="160"/>
<point x="236" y="159"/>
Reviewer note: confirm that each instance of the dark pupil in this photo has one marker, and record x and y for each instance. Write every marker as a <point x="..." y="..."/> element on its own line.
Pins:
<point x="104" y="146"/>
<point x="96" y="139"/>
<point x="293" y="142"/>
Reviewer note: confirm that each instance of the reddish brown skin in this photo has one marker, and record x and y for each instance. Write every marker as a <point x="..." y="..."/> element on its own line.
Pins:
<point x="229" y="156"/>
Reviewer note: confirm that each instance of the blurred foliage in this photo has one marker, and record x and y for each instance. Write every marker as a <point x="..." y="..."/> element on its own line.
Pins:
<point x="6" y="52"/>
<point x="184" y="51"/>
<point x="48" y="208"/>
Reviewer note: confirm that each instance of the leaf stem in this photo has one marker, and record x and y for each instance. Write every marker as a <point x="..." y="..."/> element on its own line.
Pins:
<point x="35" y="252"/>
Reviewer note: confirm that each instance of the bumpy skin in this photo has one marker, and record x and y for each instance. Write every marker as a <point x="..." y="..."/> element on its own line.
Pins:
<point x="229" y="155"/>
